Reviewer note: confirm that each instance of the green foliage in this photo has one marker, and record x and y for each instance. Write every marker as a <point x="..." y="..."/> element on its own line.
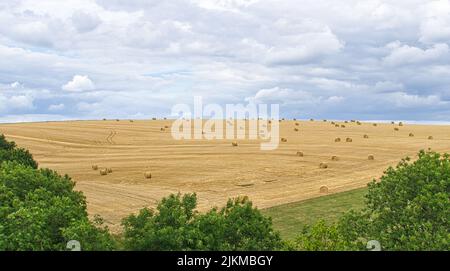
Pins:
<point x="177" y="226"/>
<point x="36" y="206"/>
<point x="171" y="228"/>
<point x="93" y="236"/>
<point x="408" y="209"/>
<point x="238" y="226"/>
<point x="6" y="145"/>
<point x="10" y="152"/>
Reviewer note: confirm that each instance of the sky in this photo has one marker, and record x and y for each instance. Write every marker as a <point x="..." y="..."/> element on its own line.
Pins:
<point x="94" y="59"/>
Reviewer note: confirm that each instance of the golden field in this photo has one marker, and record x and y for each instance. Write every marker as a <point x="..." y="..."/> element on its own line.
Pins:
<point x="214" y="169"/>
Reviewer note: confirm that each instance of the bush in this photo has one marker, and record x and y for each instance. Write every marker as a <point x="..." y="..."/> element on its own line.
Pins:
<point x="177" y="226"/>
<point x="37" y="207"/>
<point x="10" y="152"/>
<point x="408" y="209"/>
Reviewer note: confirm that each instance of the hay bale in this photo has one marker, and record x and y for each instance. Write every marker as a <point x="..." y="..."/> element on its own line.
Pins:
<point x="396" y="129"/>
<point x="323" y="189"/>
<point x="392" y="122"/>
<point x="283" y="139"/>
<point x="153" y="118"/>
<point x="162" y="129"/>
<point x="300" y="154"/>
<point x="371" y="157"/>
<point x="234" y="144"/>
<point x="131" y="120"/>
<point x="374" y="124"/>
<point x="117" y="119"/>
<point x="342" y="126"/>
<point x="148" y="175"/>
<point x="109" y="170"/>
<point x="297" y="124"/>
<point x="103" y="172"/>
<point x="270" y="121"/>
<point x="411" y="134"/>
<point x="166" y="126"/>
<point x="366" y="136"/>
<point x="430" y="137"/>
<point x="337" y="139"/>
<point x="400" y="123"/>
<point x="324" y="120"/>
<point x="345" y="121"/>
<point x="323" y="165"/>
<point x="94" y="167"/>
<point x="334" y="158"/>
<point x="348" y="139"/>
<point x="333" y="123"/>
<point x="311" y="119"/>
<point x="336" y="125"/>
<point x="245" y="184"/>
<point x="359" y="123"/>
<point x="296" y="129"/>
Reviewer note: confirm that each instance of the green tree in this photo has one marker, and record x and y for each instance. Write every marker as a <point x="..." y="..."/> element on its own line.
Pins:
<point x="36" y="206"/>
<point x="238" y="226"/>
<point x="10" y="152"/>
<point x="177" y="226"/>
<point x="407" y="209"/>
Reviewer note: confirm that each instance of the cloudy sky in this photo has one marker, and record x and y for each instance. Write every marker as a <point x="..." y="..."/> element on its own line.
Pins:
<point x="90" y="59"/>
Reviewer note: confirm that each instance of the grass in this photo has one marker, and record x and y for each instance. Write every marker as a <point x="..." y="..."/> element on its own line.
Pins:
<point x="289" y="219"/>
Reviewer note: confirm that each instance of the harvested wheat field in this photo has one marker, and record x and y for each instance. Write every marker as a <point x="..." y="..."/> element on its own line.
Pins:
<point x="215" y="169"/>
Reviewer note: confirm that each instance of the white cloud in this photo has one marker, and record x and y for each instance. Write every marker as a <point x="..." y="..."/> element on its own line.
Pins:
<point x="16" y="85"/>
<point x="56" y="107"/>
<point x="85" y="22"/>
<point x="347" y="59"/>
<point x="15" y="103"/>
<point x="79" y="83"/>
<point x="405" y="54"/>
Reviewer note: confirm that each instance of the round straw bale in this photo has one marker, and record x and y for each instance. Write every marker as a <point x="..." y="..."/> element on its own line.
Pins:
<point x="371" y="157"/>
<point x="283" y="139"/>
<point x="334" y="158"/>
<point x="103" y="172"/>
<point x="323" y="189"/>
<point x="337" y="139"/>
<point x="94" y="167"/>
<point x="348" y="139"/>
<point x="396" y="129"/>
<point x="323" y="165"/>
<point x="109" y="170"/>
<point x="299" y="153"/>
<point x="430" y="137"/>
<point x="366" y="136"/>
<point x="234" y="144"/>
<point x="148" y="175"/>
<point x="411" y="134"/>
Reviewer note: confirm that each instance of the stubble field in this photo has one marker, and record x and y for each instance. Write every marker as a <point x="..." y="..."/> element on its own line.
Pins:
<point x="214" y="169"/>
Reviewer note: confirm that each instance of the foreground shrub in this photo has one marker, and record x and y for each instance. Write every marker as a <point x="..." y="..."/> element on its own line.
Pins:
<point x="177" y="226"/>
<point x="10" y="152"/>
<point x="37" y="207"/>
<point x="407" y="209"/>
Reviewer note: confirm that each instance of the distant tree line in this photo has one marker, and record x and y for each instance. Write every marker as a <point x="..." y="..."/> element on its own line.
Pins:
<point x="407" y="209"/>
